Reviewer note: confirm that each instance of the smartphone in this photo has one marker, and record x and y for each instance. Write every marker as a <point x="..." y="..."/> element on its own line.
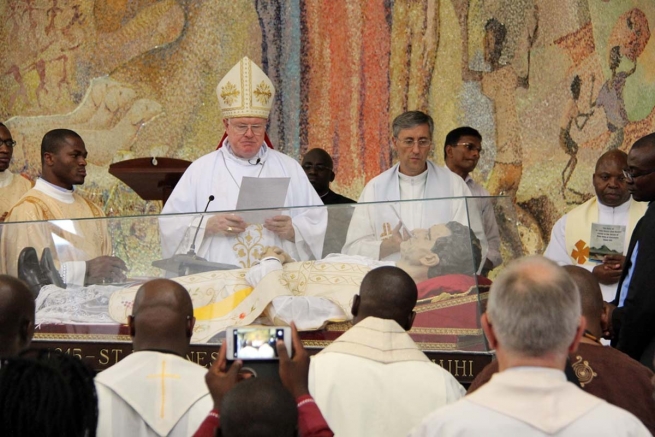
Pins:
<point x="250" y="343"/>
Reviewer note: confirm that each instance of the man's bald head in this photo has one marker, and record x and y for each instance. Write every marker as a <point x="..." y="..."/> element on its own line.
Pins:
<point x="319" y="154"/>
<point x="16" y="316"/>
<point x="591" y="298"/>
<point x="616" y="155"/>
<point x="162" y="317"/>
<point x="386" y="293"/>
<point x="258" y="407"/>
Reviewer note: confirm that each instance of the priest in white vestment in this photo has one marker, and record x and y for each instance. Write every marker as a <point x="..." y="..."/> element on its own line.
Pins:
<point x="245" y="95"/>
<point x="374" y="380"/>
<point x="81" y="248"/>
<point x="533" y="321"/>
<point x="12" y="186"/>
<point x="155" y="391"/>
<point x="570" y="238"/>
<point x="376" y="231"/>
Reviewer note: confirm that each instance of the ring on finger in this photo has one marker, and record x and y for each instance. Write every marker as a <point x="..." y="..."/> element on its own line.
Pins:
<point x="229" y="228"/>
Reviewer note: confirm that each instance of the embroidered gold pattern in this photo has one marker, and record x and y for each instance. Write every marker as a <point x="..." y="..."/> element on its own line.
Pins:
<point x="263" y="93"/>
<point x="229" y="93"/>
<point x="249" y="245"/>
<point x="583" y="371"/>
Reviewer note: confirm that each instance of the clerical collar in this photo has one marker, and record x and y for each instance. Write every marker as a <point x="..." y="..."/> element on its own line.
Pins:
<point x="624" y="207"/>
<point x="57" y="193"/>
<point x="591" y="337"/>
<point x="5" y="178"/>
<point x="414" y="179"/>
<point x="259" y="158"/>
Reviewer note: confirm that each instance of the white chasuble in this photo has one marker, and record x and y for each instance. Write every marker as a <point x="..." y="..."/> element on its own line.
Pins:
<point x="70" y="241"/>
<point x="12" y="188"/>
<point x="151" y="393"/>
<point x="219" y="174"/>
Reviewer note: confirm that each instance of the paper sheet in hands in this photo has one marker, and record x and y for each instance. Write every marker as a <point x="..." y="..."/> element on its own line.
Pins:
<point x="260" y="193"/>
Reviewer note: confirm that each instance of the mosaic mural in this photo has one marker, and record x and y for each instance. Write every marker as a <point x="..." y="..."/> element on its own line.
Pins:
<point x="550" y="84"/>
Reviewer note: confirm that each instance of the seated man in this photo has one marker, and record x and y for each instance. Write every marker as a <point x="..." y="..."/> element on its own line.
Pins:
<point x="155" y="390"/>
<point x="570" y="238"/>
<point x="533" y="321"/>
<point x="374" y="380"/>
<point x="81" y="249"/>
<point x="258" y="413"/>
<point x="602" y="371"/>
<point x="12" y="186"/>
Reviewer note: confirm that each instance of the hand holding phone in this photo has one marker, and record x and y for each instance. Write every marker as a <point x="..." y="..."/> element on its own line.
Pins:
<point x="294" y="372"/>
<point x="219" y="380"/>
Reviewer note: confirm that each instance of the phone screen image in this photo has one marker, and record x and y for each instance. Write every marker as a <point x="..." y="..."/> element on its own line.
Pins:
<point x="256" y="343"/>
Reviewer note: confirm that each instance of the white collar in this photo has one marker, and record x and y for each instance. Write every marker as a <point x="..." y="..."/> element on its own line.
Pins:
<point x="624" y="207"/>
<point x="414" y="179"/>
<point x="5" y="178"/>
<point x="57" y="193"/>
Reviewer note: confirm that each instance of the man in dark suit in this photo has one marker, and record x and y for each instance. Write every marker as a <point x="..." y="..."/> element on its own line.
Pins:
<point x="633" y="309"/>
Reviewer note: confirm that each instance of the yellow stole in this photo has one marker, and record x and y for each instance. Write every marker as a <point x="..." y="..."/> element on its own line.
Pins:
<point x="578" y="228"/>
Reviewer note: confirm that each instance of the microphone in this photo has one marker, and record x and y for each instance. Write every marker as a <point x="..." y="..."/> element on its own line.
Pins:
<point x="192" y="249"/>
<point x="259" y="160"/>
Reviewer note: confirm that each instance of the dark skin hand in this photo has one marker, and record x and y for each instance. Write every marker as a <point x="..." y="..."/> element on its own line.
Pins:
<point x="608" y="329"/>
<point x="219" y="380"/>
<point x="294" y="372"/>
<point x="609" y="272"/>
<point x="105" y="269"/>
<point x="3" y="217"/>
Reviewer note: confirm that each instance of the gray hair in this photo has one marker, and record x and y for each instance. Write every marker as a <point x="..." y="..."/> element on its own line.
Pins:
<point x="534" y="307"/>
<point x="409" y="119"/>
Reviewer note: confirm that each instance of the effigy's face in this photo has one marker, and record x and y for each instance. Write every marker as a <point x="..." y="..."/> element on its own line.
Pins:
<point x="416" y="255"/>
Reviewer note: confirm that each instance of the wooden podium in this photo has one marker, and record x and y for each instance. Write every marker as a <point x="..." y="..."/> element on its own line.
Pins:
<point x="150" y="178"/>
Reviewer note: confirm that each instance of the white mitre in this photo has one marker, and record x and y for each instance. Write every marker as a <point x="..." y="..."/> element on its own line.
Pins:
<point x="245" y="91"/>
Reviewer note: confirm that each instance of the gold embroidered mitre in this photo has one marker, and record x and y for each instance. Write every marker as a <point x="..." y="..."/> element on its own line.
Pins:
<point x="245" y="91"/>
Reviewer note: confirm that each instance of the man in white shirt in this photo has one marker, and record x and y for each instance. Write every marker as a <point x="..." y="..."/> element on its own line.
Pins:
<point x="82" y="249"/>
<point x="533" y="321"/>
<point x="155" y="391"/>
<point x="374" y="380"/>
<point x="245" y="96"/>
<point x="462" y="150"/>
<point x="570" y="238"/>
<point x="376" y="231"/>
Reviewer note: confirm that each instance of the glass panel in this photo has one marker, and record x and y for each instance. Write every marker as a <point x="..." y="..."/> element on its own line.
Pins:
<point x="446" y="245"/>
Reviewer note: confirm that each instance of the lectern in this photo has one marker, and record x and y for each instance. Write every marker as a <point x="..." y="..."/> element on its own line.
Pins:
<point x="150" y="178"/>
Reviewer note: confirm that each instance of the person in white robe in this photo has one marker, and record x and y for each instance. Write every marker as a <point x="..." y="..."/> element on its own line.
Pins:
<point x="12" y="186"/>
<point x="81" y="249"/>
<point x="570" y="238"/>
<point x="374" y="380"/>
<point x="155" y="391"/>
<point x="245" y="95"/>
<point x="533" y="321"/>
<point x="376" y="230"/>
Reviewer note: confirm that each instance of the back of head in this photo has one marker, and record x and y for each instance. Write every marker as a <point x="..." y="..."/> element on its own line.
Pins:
<point x="162" y="317"/>
<point x="409" y="119"/>
<point x="387" y="293"/>
<point x="591" y="297"/>
<point x="534" y="308"/>
<point x="54" y="139"/>
<point x="48" y="394"/>
<point x="16" y="316"/>
<point x="459" y="253"/>
<point x="258" y="407"/>
<point x="452" y="138"/>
